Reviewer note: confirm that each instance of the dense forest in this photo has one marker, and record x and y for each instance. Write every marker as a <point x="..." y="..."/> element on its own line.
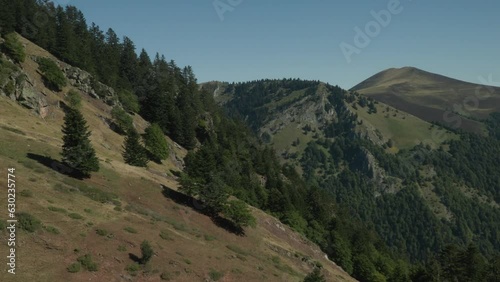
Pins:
<point x="394" y="237"/>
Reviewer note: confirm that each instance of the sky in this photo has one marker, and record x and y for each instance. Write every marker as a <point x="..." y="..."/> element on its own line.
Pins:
<point x="341" y="42"/>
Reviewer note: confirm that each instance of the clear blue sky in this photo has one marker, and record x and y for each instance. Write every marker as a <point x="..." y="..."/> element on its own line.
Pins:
<point x="298" y="38"/>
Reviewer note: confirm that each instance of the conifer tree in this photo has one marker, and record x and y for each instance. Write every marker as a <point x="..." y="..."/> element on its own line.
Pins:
<point x="156" y="143"/>
<point x="135" y="154"/>
<point x="78" y="152"/>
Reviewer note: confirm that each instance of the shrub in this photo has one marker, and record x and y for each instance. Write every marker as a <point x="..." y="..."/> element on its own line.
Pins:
<point x="74" y="268"/>
<point x="133" y="268"/>
<point x="147" y="252"/>
<point x="87" y="263"/>
<point x="122" y="120"/>
<point x="74" y="99"/>
<point x="215" y="275"/>
<point x="14" y="48"/>
<point x="101" y="232"/>
<point x="53" y="76"/>
<point x="28" y="222"/>
<point x="238" y="212"/>
<point x="129" y="101"/>
<point x="75" y="216"/>
<point x="130" y="229"/>
<point x="315" y="276"/>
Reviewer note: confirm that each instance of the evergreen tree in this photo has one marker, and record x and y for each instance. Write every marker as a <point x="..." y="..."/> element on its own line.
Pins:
<point x="78" y="152"/>
<point x="156" y="143"/>
<point x="135" y="154"/>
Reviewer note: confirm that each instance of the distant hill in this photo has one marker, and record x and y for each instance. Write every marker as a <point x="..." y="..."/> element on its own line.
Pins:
<point x="433" y="97"/>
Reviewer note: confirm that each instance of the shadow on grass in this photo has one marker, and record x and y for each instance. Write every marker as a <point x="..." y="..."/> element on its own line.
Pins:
<point x="134" y="258"/>
<point x="57" y="166"/>
<point x="200" y="207"/>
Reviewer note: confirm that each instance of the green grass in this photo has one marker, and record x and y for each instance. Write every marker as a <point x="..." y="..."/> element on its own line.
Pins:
<point x="11" y="129"/>
<point x="75" y="215"/>
<point x="102" y="232"/>
<point x="406" y="133"/>
<point x="130" y="230"/>
<point x="122" y="248"/>
<point x="133" y="268"/>
<point x="56" y="209"/>
<point x="166" y="236"/>
<point x="26" y="193"/>
<point x="237" y="250"/>
<point x="209" y="237"/>
<point x="52" y="229"/>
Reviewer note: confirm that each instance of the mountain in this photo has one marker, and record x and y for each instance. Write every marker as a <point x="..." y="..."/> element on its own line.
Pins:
<point x="433" y="97"/>
<point x="163" y="178"/>
<point x="108" y="215"/>
<point x="422" y="187"/>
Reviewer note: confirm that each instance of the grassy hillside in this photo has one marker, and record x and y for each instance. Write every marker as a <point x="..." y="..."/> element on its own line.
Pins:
<point x="433" y="97"/>
<point x="110" y="214"/>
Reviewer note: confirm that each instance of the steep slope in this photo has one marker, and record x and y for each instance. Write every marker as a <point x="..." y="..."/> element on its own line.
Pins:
<point x="433" y="97"/>
<point x="387" y="167"/>
<point x="110" y="214"/>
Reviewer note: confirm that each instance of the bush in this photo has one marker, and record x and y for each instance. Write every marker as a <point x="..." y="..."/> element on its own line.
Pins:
<point x="130" y="229"/>
<point x="133" y="268"/>
<point x="155" y="142"/>
<point x="215" y="275"/>
<point x="74" y="99"/>
<point x="147" y="252"/>
<point x="123" y="121"/>
<point x="74" y="268"/>
<point x="101" y="232"/>
<point x="28" y="222"/>
<point x="87" y="263"/>
<point x="129" y="101"/>
<point x="315" y="276"/>
<point x="14" y="48"/>
<point x="75" y="216"/>
<point x="238" y="212"/>
<point x="53" y="76"/>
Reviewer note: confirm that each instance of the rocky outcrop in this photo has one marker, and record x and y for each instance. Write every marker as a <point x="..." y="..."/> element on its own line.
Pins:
<point x="86" y="83"/>
<point x="18" y="86"/>
<point x="368" y="164"/>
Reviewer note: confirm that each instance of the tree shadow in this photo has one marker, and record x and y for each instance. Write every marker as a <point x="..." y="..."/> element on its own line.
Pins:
<point x="134" y="258"/>
<point x="200" y="207"/>
<point x="57" y="166"/>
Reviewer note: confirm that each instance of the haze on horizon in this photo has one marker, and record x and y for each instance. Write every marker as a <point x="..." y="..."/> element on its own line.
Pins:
<point x="241" y="40"/>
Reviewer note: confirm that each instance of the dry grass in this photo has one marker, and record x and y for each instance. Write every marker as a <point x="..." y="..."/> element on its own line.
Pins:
<point x="46" y="255"/>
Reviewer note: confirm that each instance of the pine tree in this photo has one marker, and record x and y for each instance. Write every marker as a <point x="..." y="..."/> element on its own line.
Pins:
<point x="156" y="143"/>
<point x="77" y="151"/>
<point x="135" y="154"/>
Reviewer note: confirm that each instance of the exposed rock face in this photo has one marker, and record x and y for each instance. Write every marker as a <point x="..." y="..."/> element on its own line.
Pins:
<point x="86" y="83"/>
<point x="19" y="87"/>
<point x="368" y="164"/>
